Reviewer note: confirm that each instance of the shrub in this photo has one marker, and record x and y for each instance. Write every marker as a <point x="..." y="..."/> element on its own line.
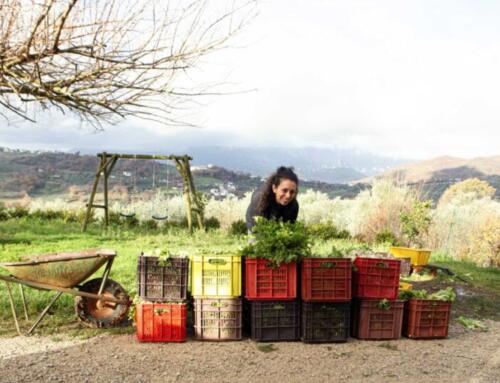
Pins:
<point x="19" y="212"/>
<point x="415" y="222"/>
<point x="212" y="223"/>
<point x="72" y="216"/>
<point x="115" y="218"/>
<point x="47" y="215"/>
<point x="484" y="244"/>
<point x="180" y="223"/>
<point x="130" y="221"/>
<point x="378" y="209"/>
<point x="228" y="210"/>
<point x="472" y="188"/>
<point x="326" y="231"/>
<point x="467" y="230"/>
<point x="387" y="236"/>
<point x="149" y="224"/>
<point x="4" y="213"/>
<point x="238" y="227"/>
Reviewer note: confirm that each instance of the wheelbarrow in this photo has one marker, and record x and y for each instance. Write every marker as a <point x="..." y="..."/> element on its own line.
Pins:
<point x="99" y="302"/>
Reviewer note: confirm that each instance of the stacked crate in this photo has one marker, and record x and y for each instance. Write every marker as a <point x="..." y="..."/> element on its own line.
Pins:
<point x="271" y="291"/>
<point x="216" y="288"/>
<point x="326" y="299"/>
<point x="376" y="314"/>
<point x="162" y="289"/>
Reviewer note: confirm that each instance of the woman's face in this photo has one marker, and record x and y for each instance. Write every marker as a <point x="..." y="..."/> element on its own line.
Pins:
<point x="285" y="192"/>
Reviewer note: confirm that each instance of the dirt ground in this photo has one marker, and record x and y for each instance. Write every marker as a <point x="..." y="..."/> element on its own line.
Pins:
<point x="466" y="356"/>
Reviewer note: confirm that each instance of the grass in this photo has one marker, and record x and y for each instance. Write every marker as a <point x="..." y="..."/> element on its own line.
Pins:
<point x="480" y="277"/>
<point x="57" y="236"/>
<point x="27" y="236"/>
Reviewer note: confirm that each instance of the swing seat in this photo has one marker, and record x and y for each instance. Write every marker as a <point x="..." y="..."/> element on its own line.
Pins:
<point x="159" y="217"/>
<point x="127" y="215"/>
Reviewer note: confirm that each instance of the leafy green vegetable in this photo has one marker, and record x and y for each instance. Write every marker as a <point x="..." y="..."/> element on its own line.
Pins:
<point x="471" y="324"/>
<point x="335" y="253"/>
<point x="408" y="294"/>
<point x="384" y="304"/>
<point x="278" y="241"/>
<point x="447" y="294"/>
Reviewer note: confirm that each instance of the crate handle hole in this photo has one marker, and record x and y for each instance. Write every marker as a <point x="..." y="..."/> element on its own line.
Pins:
<point x="161" y="311"/>
<point x="217" y="261"/>
<point x="328" y="265"/>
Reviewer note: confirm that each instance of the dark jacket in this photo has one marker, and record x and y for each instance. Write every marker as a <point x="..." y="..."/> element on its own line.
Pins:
<point x="286" y="213"/>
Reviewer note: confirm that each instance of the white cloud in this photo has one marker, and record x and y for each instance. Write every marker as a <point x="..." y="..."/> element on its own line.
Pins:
<point x="409" y="78"/>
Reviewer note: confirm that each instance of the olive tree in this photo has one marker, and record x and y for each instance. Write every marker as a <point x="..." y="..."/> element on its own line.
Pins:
<point x="104" y="60"/>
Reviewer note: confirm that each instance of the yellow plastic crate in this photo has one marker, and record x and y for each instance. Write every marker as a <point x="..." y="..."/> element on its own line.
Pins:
<point x="405" y="286"/>
<point x="215" y="276"/>
<point x="418" y="257"/>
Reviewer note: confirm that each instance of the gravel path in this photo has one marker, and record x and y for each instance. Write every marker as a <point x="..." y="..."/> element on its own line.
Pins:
<point x="24" y="345"/>
<point x="465" y="356"/>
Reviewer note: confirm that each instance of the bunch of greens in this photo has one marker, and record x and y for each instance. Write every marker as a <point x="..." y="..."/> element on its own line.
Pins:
<point x="335" y="253"/>
<point x="279" y="242"/>
<point x="447" y="294"/>
<point x="471" y="324"/>
<point x="384" y="304"/>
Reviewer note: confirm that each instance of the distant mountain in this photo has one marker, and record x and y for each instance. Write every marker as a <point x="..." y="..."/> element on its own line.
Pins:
<point x="320" y="164"/>
<point x="436" y="174"/>
<point x="37" y="174"/>
<point x="444" y="168"/>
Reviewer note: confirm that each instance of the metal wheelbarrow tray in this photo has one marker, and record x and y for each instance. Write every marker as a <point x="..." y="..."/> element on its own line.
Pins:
<point x="99" y="302"/>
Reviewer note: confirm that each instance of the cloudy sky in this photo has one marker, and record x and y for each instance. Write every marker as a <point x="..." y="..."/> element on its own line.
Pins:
<point x="401" y="78"/>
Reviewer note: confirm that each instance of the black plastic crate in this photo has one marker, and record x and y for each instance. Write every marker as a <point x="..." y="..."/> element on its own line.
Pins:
<point x="275" y="320"/>
<point x="325" y="322"/>
<point x="162" y="279"/>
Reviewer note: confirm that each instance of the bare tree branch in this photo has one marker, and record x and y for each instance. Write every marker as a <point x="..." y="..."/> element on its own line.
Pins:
<point x="107" y="60"/>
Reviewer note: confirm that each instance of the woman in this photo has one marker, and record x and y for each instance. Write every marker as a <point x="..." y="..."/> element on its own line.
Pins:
<point x="276" y="199"/>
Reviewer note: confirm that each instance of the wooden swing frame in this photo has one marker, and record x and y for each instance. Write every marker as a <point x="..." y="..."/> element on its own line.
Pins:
<point x="107" y="162"/>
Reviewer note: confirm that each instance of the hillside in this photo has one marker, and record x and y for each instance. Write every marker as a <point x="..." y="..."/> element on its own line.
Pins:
<point x="436" y="174"/>
<point x="39" y="174"/>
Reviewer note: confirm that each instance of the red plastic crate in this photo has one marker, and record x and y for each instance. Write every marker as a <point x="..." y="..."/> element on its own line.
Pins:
<point x="326" y="279"/>
<point x="369" y="321"/>
<point x="263" y="280"/>
<point x="161" y="322"/>
<point x="427" y="318"/>
<point x="376" y="278"/>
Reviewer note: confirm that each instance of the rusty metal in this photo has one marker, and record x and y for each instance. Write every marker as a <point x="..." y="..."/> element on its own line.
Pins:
<point x="60" y="270"/>
<point x="13" y="307"/>
<point x="39" y="269"/>
<point x="44" y="312"/>
<point x="21" y="288"/>
<point x="105" y="275"/>
<point x="74" y="291"/>
<point x="102" y="313"/>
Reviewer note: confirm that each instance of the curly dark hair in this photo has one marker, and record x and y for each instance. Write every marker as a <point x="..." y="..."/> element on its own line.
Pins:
<point x="268" y="196"/>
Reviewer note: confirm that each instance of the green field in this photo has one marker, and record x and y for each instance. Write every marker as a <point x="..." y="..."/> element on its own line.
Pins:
<point x="27" y="236"/>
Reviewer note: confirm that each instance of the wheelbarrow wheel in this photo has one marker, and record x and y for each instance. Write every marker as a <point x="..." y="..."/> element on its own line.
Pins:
<point x="100" y="313"/>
